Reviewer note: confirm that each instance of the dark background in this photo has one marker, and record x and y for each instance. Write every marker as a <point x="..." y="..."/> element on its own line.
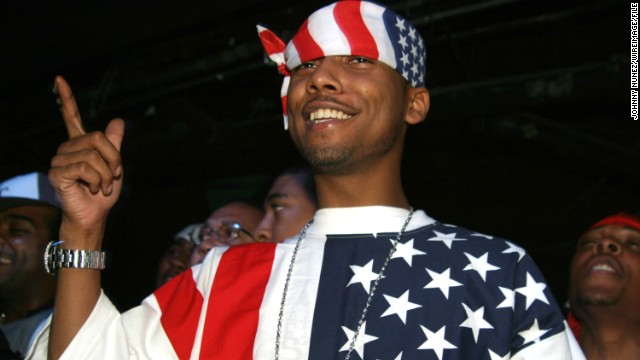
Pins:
<point x="529" y="135"/>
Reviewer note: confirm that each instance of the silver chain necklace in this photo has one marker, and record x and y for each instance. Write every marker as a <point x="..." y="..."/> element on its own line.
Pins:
<point x="352" y="345"/>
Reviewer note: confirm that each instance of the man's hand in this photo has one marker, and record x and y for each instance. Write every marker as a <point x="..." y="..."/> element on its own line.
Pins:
<point x="86" y="172"/>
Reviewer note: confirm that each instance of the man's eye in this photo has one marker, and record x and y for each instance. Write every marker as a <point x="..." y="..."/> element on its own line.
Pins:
<point x="18" y="231"/>
<point x="277" y="207"/>
<point x="633" y="244"/>
<point x="306" y="65"/>
<point x="359" y="60"/>
<point x="586" y="244"/>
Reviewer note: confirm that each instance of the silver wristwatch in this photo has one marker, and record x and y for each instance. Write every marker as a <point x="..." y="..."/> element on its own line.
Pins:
<point x="55" y="258"/>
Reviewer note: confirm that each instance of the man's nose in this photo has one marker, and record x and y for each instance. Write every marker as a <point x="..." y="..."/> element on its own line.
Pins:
<point x="262" y="233"/>
<point x="325" y="78"/>
<point x="205" y="246"/>
<point x="608" y="246"/>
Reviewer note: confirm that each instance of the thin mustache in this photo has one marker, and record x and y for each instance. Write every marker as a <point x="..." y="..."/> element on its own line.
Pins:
<point x="325" y="98"/>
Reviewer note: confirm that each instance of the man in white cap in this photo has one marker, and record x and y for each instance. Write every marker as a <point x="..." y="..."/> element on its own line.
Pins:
<point x="29" y="220"/>
<point x="368" y="278"/>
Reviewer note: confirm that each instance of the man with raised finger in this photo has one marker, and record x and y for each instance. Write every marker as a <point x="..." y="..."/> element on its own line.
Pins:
<point x="369" y="277"/>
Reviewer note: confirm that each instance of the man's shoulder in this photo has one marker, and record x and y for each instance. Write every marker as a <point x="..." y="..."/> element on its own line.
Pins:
<point x="449" y="233"/>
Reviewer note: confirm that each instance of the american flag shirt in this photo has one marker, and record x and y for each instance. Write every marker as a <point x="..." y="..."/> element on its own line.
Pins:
<point x="447" y="293"/>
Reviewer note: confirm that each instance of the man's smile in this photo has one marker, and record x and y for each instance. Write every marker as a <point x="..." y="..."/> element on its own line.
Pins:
<point x="328" y="114"/>
<point x="5" y="259"/>
<point x="603" y="265"/>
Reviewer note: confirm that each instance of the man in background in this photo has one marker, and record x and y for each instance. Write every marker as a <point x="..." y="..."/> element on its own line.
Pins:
<point x="230" y="224"/>
<point x="605" y="289"/>
<point x="177" y="257"/>
<point x="288" y="206"/>
<point x="29" y="219"/>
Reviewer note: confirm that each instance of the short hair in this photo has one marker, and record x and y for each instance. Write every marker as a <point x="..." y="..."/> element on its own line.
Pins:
<point x="304" y="176"/>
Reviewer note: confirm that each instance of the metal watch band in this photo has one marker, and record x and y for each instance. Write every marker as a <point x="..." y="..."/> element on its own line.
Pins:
<point x="55" y="258"/>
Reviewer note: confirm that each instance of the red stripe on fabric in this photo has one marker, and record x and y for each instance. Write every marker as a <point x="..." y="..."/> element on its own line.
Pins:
<point x="574" y="325"/>
<point x="349" y="19"/>
<point x="271" y="42"/>
<point x="234" y="304"/>
<point x="283" y="100"/>
<point x="181" y="304"/>
<point x="307" y="48"/>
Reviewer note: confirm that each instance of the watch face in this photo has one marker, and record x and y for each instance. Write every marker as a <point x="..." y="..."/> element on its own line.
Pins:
<point x="49" y="258"/>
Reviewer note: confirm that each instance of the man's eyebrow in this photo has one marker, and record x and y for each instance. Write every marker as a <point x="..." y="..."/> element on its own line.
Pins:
<point x="20" y="217"/>
<point x="276" y="195"/>
<point x="625" y="227"/>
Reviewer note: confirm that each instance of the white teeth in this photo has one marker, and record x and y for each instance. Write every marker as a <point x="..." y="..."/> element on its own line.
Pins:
<point x="603" y="267"/>
<point x="322" y="114"/>
<point x="5" y="259"/>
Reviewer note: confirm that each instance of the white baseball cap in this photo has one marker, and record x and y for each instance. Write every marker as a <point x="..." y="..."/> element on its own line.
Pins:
<point x="27" y="189"/>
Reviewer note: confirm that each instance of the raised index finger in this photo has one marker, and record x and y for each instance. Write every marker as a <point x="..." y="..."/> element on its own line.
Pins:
<point x="69" y="108"/>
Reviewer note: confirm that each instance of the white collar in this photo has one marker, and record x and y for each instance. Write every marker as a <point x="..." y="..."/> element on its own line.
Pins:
<point x="365" y="220"/>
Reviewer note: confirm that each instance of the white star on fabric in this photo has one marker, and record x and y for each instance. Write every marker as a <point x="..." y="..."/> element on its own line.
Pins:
<point x="475" y="321"/>
<point x="447" y="239"/>
<point x="406" y="251"/>
<point x="414" y="69"/>
<point x="399" y="357"/>
<point x="362" y="339"/>
<point x="534" y="333"/>
<point x="400" y="24"/>
<point x="414" y="51"/>
<point x="403" y="41"/>
<point x="509" y="298"/>
<point x="533" y="291"/>
<point x="482" y="235"/>
<point x="495" y="356"/>
<point x="513" y="248"/>
<point x="404" y="59"/>
<point x="363" y="275"/>
<point x="412" y="34"/>
<point x="481" y="265"/>
<point x="436" y="341"/>
<point x="399" y="306"/>
<point x="441" y="281"/>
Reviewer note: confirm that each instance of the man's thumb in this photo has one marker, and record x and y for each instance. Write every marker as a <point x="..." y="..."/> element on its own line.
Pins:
<point x="115" y="132"/>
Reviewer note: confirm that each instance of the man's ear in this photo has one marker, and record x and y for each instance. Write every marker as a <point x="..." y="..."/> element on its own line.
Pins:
<point x="418" y="105"/>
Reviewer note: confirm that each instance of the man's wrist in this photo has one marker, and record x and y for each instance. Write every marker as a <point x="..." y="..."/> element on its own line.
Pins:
<point x="81" y="236"/>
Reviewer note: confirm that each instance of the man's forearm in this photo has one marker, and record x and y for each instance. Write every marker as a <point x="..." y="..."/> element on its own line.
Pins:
<point x="77" y="292"/>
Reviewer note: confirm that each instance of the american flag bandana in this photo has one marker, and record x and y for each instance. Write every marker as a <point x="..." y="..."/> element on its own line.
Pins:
<point x="352" y="28"/>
